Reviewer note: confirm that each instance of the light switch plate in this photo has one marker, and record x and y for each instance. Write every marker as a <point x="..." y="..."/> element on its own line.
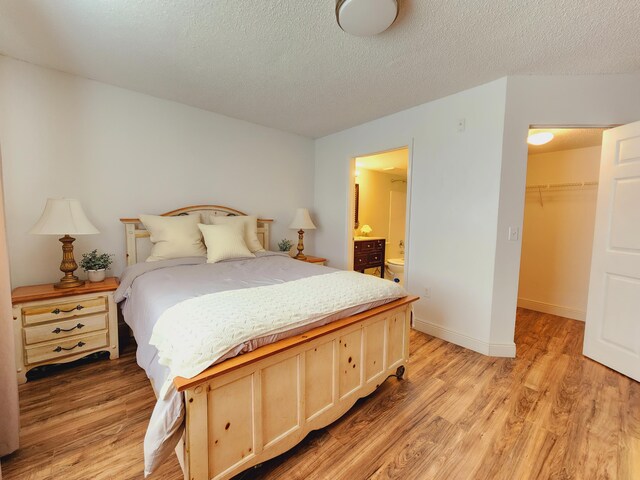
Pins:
<point x="514" y="234"/>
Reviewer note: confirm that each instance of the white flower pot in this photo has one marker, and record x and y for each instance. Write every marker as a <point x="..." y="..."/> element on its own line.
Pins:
<point x="96" y="275"/>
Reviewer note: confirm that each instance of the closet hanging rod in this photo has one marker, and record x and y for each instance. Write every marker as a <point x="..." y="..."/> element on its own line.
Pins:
<point x="561" y="185"/>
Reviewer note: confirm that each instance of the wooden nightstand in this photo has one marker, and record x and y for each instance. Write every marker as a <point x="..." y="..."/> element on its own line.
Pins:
<point x="61" y="325"/>
<point x="312" y="259"/>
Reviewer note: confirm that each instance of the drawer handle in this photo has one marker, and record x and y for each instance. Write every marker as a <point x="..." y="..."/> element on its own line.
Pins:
<point x="57" y="310"/>
<point x="58" y="330"/>
<point x="59" y="348"/>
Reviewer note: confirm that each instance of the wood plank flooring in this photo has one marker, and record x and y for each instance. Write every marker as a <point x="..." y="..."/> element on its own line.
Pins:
<point x="548" y="414"/>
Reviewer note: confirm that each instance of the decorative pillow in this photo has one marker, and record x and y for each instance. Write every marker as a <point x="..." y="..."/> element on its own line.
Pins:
<point x="249" y="224"/>
<point x="224" y="242"/>
<point x="174" y="237"/>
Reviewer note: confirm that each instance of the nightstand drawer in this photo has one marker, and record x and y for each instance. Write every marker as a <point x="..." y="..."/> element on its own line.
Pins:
<point x="65" y="328"/>
<point x="71" y="346"/>
<point x="58" y="310"/>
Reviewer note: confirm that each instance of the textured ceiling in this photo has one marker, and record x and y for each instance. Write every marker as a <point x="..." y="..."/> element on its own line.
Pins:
<point x="394" y="162"/>
<point x="287" y="64"/>
<point x="567" y="139"/>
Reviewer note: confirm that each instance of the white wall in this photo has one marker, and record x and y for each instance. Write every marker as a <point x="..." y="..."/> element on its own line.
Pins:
<point x="123" y="153"/>
<point x="466" y="190"/>
<point x="557" y="236"/>
<point x="597" y="100"/>
<point x="454" y="185"/>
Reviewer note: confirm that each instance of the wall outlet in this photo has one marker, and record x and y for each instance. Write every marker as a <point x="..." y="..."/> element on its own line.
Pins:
<point x="427" y="292"/>
<point x="461" y="124"/>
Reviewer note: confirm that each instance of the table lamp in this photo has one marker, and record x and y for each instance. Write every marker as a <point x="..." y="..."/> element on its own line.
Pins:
<point x="301" y="222"/>
<point x="64" y="216"/>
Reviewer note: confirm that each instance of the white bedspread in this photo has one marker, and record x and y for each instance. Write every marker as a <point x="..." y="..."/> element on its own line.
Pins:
<point x="195" y="333"/>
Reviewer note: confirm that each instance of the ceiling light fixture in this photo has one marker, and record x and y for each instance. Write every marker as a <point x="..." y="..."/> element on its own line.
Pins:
<point x="364" y="18"/>
<point x="540" y="138"/>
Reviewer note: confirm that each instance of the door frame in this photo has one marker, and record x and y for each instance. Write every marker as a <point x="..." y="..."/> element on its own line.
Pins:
<point x="351" y="205"/>
<point x="524" y="192"/>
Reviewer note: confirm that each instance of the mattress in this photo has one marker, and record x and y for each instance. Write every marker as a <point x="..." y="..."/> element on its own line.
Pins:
<point x="149" y="289"/>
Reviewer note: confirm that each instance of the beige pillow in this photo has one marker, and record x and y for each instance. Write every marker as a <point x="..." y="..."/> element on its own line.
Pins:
<point x="224" y="242"/>
<point x="174" y="237"/>
<point x="250" y="226"/>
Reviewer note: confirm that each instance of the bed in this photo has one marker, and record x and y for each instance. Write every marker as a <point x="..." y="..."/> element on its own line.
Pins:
<point x="263" y="397"/>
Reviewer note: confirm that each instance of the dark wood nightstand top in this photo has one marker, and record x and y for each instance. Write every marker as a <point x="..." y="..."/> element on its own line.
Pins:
<point x="46" y="291"/>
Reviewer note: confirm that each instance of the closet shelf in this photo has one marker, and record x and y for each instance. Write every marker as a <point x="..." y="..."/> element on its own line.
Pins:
<point x="549" y="186"/>
<point x="557" y="186"/>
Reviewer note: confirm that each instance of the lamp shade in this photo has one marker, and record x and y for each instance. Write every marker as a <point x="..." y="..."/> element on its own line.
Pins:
<point x="63" y="216"/>
<point x="302" y="220"/>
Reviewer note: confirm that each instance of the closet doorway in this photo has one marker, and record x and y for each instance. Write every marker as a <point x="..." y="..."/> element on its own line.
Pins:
<point x="559" y="217"/>
<point x="380" y="213"/>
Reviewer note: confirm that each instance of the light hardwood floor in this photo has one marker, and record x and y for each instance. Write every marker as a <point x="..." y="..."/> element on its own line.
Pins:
<point x="549" y="413"/>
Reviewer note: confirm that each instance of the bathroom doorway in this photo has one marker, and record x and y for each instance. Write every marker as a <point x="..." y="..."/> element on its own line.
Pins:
<point x="380" y="214"/>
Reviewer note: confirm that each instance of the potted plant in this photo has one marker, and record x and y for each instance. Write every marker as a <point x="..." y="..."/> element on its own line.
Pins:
<point x="285" y="245"/>
<point x="95" y="264"/>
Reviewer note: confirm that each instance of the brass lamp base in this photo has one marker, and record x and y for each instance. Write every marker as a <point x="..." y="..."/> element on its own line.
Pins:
<point x="68" y="265"/>
<point x="300" y="255"/>
<point x="69" y="282"/>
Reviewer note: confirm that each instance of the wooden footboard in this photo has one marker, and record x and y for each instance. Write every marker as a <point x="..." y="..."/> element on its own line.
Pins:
<point x="256" y="406"/>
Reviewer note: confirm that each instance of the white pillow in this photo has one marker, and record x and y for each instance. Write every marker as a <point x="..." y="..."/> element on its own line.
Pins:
<point x="174" y="237"/>
<point x="250" y="225"/>
<point x="224" y="242"/>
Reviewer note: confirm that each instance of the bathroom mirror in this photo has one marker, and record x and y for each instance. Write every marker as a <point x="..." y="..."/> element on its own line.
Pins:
<point x="356" y="222"/>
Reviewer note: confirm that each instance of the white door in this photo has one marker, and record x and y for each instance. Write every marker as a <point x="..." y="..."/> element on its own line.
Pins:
<point x="612" y="331"/>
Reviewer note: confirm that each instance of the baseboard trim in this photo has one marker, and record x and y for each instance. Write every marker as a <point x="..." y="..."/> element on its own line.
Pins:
<point x="480" y="346"/>
<point x="558" y="310"/>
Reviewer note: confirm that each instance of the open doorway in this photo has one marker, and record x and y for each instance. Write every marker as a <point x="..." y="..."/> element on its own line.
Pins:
<point x="559" y="219"/>
<point x="380" y="220"/>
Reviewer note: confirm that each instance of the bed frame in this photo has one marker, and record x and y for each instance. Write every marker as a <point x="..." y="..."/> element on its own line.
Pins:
<point x="258" y="405"/>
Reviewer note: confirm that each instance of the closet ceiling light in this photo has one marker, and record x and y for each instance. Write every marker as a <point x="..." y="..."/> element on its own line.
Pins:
<point x="540" y="138"/>
<point x="364" y="18"/>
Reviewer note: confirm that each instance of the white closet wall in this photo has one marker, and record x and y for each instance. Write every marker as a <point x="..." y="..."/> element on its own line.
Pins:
<point x="558" y="232"/>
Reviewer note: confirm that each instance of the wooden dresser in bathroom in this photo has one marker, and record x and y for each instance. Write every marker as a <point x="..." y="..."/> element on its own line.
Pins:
<point x="369" y="253"/>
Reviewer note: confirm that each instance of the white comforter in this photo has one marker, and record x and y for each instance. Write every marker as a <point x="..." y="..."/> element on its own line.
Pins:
<point x="195" y="333"/>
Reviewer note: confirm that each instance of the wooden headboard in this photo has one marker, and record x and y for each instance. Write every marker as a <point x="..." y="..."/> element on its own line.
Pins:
<point x="135" y="233"/>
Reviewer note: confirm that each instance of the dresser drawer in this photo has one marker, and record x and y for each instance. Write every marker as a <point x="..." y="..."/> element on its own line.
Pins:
<point x="368" y="245"/>
<point x="369" y="254"/>
<point x="64" y="348"/>
<point x="360" y="261"/>
<point x="367" y="260"/>
<point x="60" y="310"/>
<point x="374" y="258"/>
<point x="65" y="328"/>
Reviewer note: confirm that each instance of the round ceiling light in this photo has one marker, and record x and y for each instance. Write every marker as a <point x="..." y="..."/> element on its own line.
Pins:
<point x="540" y="138"/>
<point x="364" y="18"/>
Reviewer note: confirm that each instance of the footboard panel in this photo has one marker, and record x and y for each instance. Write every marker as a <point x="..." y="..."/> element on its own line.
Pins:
<point x="255" y="412"/>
